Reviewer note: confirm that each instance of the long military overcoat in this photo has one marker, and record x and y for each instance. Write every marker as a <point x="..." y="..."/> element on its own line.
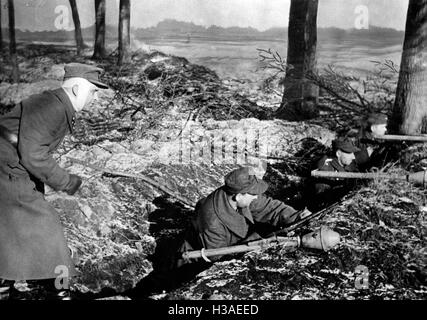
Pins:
<point x="32" y="242"/>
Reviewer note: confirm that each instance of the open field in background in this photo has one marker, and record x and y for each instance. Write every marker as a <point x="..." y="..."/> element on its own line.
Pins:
<point x="239" y="59"/>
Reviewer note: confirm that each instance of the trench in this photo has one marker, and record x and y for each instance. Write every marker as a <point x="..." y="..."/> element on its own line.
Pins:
<point x="288" y="181"/>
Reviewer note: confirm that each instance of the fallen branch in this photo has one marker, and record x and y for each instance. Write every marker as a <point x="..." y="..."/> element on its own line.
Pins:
<point x="148" y="180"/>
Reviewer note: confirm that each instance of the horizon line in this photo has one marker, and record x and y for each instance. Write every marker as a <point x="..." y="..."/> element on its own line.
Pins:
<point x="200" y="25"/>
<point x="206" y="27"/>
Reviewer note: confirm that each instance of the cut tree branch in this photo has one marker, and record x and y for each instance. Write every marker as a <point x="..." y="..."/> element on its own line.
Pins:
<point x="148" y="180"/>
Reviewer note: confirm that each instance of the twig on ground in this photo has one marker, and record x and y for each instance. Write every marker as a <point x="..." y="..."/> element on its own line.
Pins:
<point x="156" y="184"/>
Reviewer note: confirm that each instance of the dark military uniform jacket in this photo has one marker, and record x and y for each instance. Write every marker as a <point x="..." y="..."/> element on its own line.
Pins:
<point x="332" y="164"/>
<point x="363" y="160"/>
<point x="217" y="224"/>
<point x="32" y="243"/>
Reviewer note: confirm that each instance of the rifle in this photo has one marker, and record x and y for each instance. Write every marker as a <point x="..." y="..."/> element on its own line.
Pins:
<point x="323" y="239"/>
<point x="303" y="221"/>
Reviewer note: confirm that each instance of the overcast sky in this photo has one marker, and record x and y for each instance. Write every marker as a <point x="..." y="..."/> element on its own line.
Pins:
<point x="260" y="14"/>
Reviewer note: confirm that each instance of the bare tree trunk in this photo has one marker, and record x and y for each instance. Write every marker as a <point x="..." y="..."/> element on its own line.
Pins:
<point x="1" y="31"/>
<point x="12" y="42"/>
<point x="99" y="50"/>
<point x="300" y="95"/>
<point x="77" y="28"/>
<point x="410" y="108"/>
<point x="124" y="32"/>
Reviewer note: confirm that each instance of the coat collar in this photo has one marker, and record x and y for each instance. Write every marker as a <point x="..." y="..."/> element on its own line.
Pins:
<point x="336" y="165"/>
<point x="69" y="109"/>
<point x="367" y="137"/>
<point x="233" y="220"/>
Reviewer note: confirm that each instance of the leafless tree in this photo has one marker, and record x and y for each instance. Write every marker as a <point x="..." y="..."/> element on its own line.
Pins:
<point x="99" y="50"/>
<point x="77" y="28"/>
<point x="410" y="108"/>
<point x="300" y="95"/>
<point x="1" y="31"/>
<point x="12" y="41"/>
<point x="124" y="32"/>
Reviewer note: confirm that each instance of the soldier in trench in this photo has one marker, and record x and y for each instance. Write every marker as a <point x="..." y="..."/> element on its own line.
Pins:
<point x="328" y="190"/>
<point x="226" y="217"/>
<point x="372" y="153"/>
<point x="32" y="243"/>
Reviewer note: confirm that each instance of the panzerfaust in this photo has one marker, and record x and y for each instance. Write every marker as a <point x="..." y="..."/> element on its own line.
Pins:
<point x="417" y="178"/>
<point x="322" y="239"/>
<point x="393" y="137"/>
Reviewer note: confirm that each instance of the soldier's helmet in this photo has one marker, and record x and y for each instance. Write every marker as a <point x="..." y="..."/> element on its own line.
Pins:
<point x="376" y="118"/>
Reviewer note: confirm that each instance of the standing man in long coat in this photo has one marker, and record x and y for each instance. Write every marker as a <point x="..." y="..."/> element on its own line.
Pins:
<point x="32" y="242"/>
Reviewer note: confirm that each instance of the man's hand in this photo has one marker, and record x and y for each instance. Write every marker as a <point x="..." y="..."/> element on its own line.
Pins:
<point x="322" y="187"/>
<point x="73" y="185"/>
<point x="305" y="213"/>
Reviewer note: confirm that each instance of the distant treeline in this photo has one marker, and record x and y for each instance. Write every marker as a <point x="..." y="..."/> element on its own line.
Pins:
<point x="185" y="30"/>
